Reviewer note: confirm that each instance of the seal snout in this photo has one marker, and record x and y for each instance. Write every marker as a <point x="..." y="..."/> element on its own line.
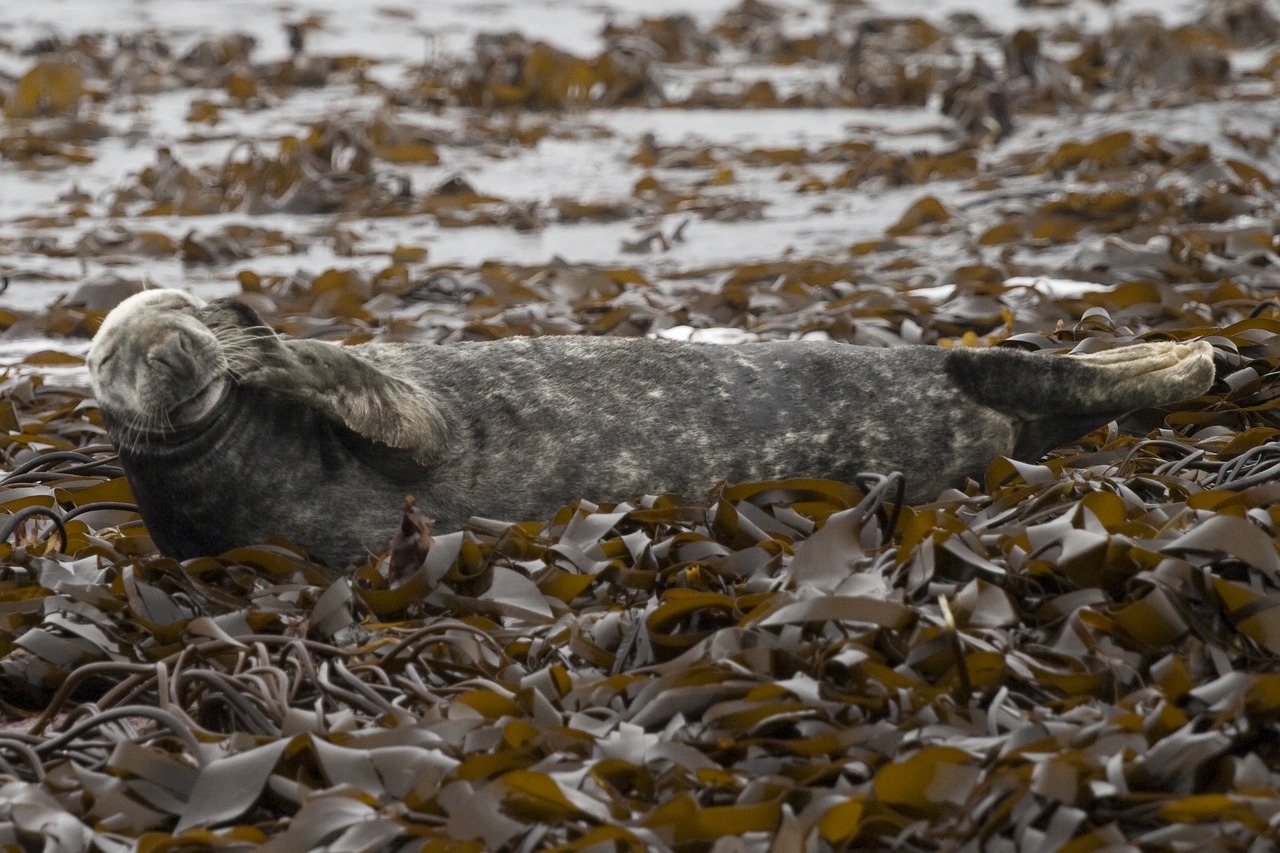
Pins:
<point x="173" y="351"/>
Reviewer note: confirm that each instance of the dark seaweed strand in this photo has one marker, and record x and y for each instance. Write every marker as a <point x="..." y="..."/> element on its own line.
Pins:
<point x="29" y="755"/>
<point x="164" y="718"/>
<point x="11" y="524"/>
<point x="874" y="499"/>
<point x="81" y="673"/>
<point x="96" y="505"/>
<point x="45" y="459"/>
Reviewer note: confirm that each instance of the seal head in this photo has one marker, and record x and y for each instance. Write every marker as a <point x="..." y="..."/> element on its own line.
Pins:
<point x="156" y="369"/>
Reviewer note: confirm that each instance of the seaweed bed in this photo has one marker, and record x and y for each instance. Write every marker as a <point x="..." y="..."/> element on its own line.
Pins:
<point x="1072" y="655"/>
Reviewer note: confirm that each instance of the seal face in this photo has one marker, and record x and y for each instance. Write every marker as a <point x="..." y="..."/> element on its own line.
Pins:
<point x="155" y="366"/>
<point x="230" y="434"/>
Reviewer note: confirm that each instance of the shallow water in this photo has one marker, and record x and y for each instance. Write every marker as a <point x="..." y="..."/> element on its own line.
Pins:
<point x="587" y="156"/>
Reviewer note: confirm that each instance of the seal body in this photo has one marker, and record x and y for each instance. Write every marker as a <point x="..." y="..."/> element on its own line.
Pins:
<point x="230" y="435"/>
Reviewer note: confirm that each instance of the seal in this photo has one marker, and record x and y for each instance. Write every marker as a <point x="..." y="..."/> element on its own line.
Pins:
<point x="230" y="434"/>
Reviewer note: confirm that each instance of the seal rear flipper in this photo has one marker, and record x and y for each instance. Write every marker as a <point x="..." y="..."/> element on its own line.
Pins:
<point x="1032" y="386"/>
<point x="1060" y="398"/>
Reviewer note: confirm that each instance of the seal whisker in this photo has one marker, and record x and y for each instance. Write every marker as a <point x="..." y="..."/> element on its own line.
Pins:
<point x="234" y="334"/>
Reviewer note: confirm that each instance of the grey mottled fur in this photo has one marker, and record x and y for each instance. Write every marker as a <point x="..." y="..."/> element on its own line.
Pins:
<point x="230" y="434"/>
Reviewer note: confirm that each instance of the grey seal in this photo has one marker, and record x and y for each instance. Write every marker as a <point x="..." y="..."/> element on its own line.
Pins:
<point x="230" y="434"/>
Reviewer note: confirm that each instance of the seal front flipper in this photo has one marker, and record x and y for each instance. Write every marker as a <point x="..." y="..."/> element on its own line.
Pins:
<point x="336" y="381"/>
<point x="1059" y="398"/>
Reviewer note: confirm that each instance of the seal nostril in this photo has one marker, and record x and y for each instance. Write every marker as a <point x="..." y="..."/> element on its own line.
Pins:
<point x="173" y="352"/>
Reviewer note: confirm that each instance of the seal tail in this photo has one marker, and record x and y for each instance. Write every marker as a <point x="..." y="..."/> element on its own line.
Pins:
<point x="1061" y="398"/>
